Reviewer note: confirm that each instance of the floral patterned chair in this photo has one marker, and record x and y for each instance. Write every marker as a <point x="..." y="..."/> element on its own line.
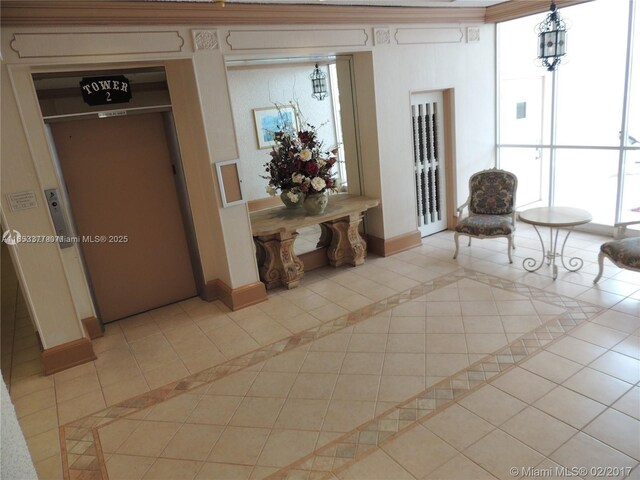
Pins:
<point x="624" y="253"/>
<point x="491" y="204"/>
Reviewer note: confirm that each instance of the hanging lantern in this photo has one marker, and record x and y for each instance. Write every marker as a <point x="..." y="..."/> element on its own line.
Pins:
<point x="318" y="83"/>
<point x="552" y="39"/>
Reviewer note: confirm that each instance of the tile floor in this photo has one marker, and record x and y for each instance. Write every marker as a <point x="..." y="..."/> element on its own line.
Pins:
<point x="414" y="366"/>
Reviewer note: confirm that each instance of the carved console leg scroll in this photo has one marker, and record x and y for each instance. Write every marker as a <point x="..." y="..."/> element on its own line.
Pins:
<point x="347" y="246"/>
<point x="325" y="236"/>
<point x="280" y="265"/>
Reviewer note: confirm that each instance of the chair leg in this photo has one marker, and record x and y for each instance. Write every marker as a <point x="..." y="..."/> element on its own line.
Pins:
<point x="601" y="266"/>
<point x="455" y="238"/>
<point x="509" y="247"/>
<point x="469" y="242"/>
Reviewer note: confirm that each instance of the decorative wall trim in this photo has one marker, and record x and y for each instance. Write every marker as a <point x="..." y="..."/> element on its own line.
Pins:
<point x="386" y="247"/>
<point x="60" y="44"/>
<point x="235" y="298"/>
<point x="205" y="39"/>
<point x="473" y="34"/>
<point x="381" y="36"/>
<point x="58" y="13"/>
<point x="301" y="38"/>
<point x="411" y="36"/>
<point x="522" y="8"/>
<point x="67" y="355"/>
<point x="93" y="327"/>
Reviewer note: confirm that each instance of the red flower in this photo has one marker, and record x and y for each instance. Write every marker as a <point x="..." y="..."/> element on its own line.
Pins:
<point x="312" y="168"/>
<point x="331" y="160"/>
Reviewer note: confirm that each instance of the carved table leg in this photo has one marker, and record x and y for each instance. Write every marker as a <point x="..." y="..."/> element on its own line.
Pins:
<point x="347" y="246"/>
<point x="325" y="236"/>
<point x="280" y="265"/>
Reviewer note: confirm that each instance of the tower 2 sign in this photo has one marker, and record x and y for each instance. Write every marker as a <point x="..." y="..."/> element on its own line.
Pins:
<point x="105" y="90"/>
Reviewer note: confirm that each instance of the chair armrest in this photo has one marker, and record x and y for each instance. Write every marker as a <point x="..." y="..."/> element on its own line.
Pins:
<point x="461" y="208"/>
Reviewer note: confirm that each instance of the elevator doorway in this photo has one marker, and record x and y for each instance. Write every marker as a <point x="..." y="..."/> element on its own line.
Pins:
<point x="120" y="179"/>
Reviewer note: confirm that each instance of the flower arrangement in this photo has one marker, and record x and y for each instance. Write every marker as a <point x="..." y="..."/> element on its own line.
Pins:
<point x="299" y="166"/>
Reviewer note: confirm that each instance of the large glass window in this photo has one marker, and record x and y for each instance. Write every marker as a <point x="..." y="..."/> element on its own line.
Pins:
<point x="570" y="137"/>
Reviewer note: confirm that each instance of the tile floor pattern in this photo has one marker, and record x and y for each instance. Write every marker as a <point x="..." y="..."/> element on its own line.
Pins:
<point x="389" y="370"/>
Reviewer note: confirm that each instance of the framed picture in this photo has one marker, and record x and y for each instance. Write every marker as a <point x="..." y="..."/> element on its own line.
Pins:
<point x="272" y="119"/>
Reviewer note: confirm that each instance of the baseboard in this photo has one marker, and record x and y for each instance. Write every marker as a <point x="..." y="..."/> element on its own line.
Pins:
<point x="92" y="327"/>
<point x="314" y="259"/>
<point x="67" y="355"/>
<point x="235" y="298"/>
<point x="385" y="247"/>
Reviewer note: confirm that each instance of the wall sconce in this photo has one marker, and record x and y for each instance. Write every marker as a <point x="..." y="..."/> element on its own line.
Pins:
<point x="552" y="39"/>
<point x="318" y="83"/>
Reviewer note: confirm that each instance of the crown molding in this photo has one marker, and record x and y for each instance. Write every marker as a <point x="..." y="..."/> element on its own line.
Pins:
<point x="503" y="12"/>
<point x="122" y="13"/>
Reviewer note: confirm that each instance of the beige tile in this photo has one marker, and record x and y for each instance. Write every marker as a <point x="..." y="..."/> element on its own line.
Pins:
<point x="328" y="312"/>
<point x="630" y="346"/>
<point x="597" y="386"/>
<point x="446" y="343"/>
<point x="551" y="366"/>
<point x="128" y="467"/>
<point x="377" y="324"/>
<point x="257" y="412"/>
<point x="345" y="415"/>
<point x="286" y="362"/>
<point x="215" y="409"/>
<point x="378" y="466"/>
<point x="264" y="330"/>
<point x="193" y="442"/>
<point x="482" y="307"/>
<point x="149" y="438"/>
<point x="576" y="350"/>
<point x="313" y="385"/>
<point x="362" y="363"/>
<point x="166" y="373"/>
<point x="499" y="452"/>
<point x="272" y="384"/>
<point x="459" y="467"/>
<point x="618" y="365"/>
<point x="409" y="309"/>
<point x="538" y="430"/>
<point x="618" y="321"/>
<point x="482" y="324"/>
<point x="44" y="445"/>
<point x="113" y="435"/>
<point x="458" y="426"/>
<point x="29" y="385"/>
<point x="523" y="384"/>
<point x="223" y="471"/>
<point x="125" y="389"/>
<point x="357" y="387"/>
<point x="302" y="414"/>
<point x="519" y="323"/>
<point x="176" y="409"/>
<point x="400" y="388"/>
<point x="81" y="406"/>
<point x="408" y="324"/>
<point x="368" y="342"/>
<point x="419" y="451"/>
<point x="286" y="446"/>
<point x="585" y="451"/>
<point x="446" y="324"/>
<point x="618" y="431"/>
<point x="485" y="342"/>
<point x="444" y="309"/>
<point x="50" y="468"/>
<point x="446" y="364"/>
<point x="404" y="364"/>
<point x="322" y="362"/>
<point x="170" y="469"/>
<point x="336" y="342"/>
<point x="34" y="402"/>
<point x="597" y="334"/>
<point x="237" y="384"/>
<point x="629" y="403"/>
<point x="78" y="386"/>
<point x="569" y="406"/>
<point x="492" y="405"/>
<point x="201" y="360"/>
<point x="239" y="445"/>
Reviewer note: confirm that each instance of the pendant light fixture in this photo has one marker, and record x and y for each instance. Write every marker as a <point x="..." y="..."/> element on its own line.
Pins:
<point x="318" y="84"/>
<point x="552" y="39"/>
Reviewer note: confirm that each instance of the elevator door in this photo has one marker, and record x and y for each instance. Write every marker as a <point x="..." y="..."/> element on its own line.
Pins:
<point x="120" y="183"/>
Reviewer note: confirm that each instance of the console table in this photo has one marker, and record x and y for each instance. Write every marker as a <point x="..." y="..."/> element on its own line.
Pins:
<point x="554" y="218"/>
<point x="275" y="230"/>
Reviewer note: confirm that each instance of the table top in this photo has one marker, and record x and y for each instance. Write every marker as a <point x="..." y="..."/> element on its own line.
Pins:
<point x="283" y="219"/>
<point x="555" y="216"/>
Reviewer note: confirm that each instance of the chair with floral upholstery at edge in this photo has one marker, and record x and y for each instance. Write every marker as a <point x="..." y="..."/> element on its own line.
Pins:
<point x="491" y="205"/>
<point x="623" y="253"/>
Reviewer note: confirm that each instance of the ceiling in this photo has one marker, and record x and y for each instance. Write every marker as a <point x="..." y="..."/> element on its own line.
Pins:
<point x="371" y="3"/>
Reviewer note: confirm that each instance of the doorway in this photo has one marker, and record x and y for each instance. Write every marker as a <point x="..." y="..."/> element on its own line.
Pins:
<point x="120" y="180"/>
<point x="429" y="161"/>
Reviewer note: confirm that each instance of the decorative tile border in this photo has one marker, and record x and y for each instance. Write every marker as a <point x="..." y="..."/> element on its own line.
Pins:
<point x="80" y="445"/>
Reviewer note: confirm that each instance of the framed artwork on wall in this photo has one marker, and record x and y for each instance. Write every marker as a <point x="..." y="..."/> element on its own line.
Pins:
<point x="269" y="120"/>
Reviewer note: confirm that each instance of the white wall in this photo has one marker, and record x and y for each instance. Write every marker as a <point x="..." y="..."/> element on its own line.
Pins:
<point x="385" y="72"/>
<point x="260" y="86"/>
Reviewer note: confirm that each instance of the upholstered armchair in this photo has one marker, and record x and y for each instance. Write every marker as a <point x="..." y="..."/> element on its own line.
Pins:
<point x="491" y="205"/>
<point x="623" y="253"/>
